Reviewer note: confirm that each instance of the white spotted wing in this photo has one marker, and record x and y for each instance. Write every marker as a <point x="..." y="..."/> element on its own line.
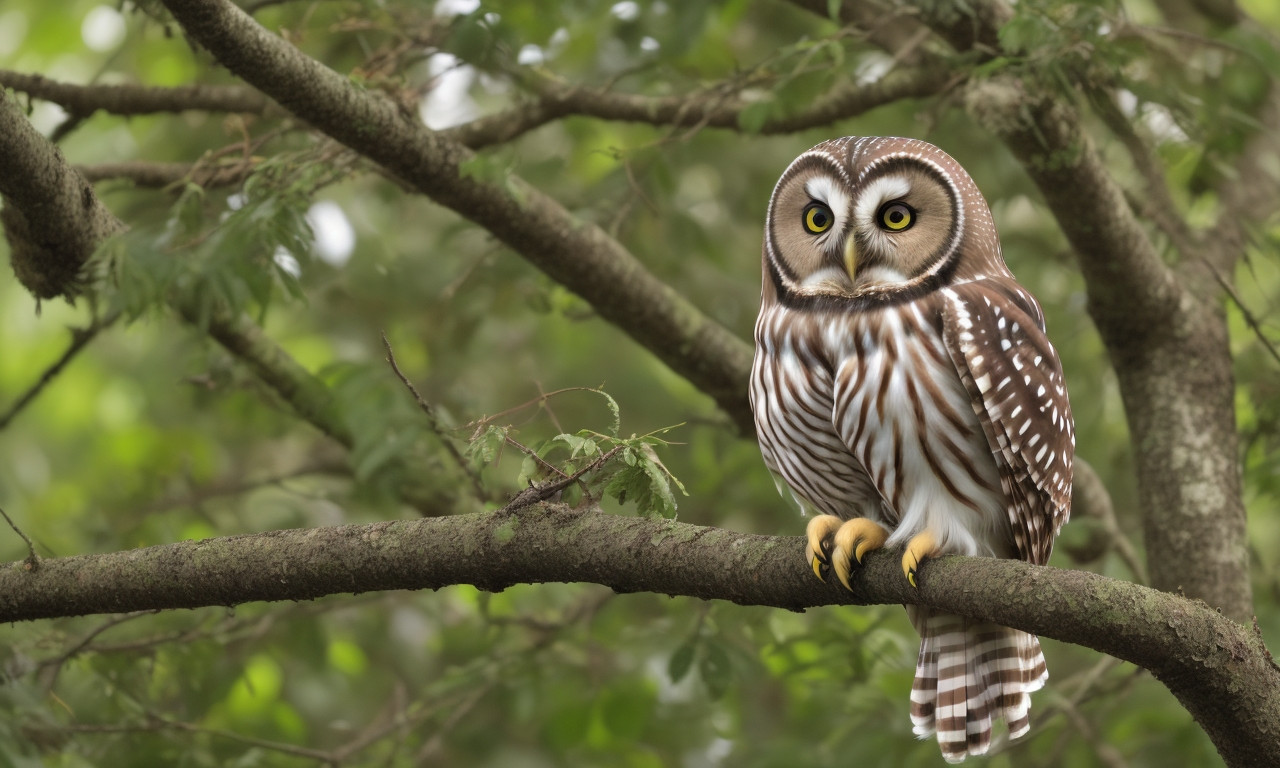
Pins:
<point x="994" y="331"/>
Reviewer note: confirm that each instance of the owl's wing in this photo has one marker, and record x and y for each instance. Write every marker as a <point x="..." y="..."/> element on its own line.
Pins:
<point x="994" y="331"/>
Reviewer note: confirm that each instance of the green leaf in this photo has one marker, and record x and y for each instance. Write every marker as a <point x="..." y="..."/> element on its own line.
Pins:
<point x="629" y="484"/>
<point x="576" y="444"/>
<point x="715" y="669"/>
<point x="659" y="498"/>
<point x="682" y="660"/>
<point x="530" y="471"/>
<point x="484" y="448"/>
<point x="613" y="410"/>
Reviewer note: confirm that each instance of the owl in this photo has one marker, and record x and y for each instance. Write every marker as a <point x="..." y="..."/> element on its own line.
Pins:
<point x="905" y="395"/>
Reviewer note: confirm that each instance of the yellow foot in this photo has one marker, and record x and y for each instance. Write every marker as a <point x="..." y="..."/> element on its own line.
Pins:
<point x="922" y="545"/>
<point x="855" y="538"/>
<point x="836" y="543"/>
<point x="817" y="553"/>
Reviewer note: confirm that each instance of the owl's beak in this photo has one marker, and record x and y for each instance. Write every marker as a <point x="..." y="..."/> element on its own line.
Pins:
<point x="851" y="257"/>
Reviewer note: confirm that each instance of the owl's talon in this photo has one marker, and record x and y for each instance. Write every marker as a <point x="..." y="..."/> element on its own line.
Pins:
<point x="817" y="552"/>
<point x="820" y="568"/>
<point x="853" y="541"/>
<point x="924" y="544"/>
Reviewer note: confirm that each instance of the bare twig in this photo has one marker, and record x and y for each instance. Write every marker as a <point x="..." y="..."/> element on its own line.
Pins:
<point x="1155" y="203"/>
<point x="33" y="560"/>
<point x="161" y="175"/>
<point x="434" y="423"/>
<point x="236" y="485"/>
<point x="716" y="107"/>
<point x="1107" y="755"/>
<point x="432" y="746"/>
<point x="542" y="398"/>
<point x="83" y="100"/>
<point x="49" y="668"/>
<point x="80" y="337"/>
<point x="541" y="492"/>
<point x="1090" y="499"/>
<point x="1254" y="324"/>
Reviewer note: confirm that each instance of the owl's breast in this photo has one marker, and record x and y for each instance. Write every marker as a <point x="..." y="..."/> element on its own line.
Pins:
<point x="901" y="409"/>
<point x="792" y="390"/>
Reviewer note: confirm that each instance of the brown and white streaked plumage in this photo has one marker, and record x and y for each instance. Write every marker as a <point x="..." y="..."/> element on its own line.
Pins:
<point x="904" y="390"/>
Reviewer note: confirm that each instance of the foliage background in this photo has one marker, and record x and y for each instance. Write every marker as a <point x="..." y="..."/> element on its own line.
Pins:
<point x="155" y="434"/>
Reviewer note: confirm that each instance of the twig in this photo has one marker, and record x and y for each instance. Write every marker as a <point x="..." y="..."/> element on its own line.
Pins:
<point x="434" y="424"/>
<point x="1156" y="202"/>
<point x="1249" y="319"/>
<point x="1091" y="499"/>
<point x="52" y="666"/>
<point x="527" y="451"/>
<point x="433" y="744"/>
<point x="480" y="424"/>
<point x="80" y="337"/>
<point x="220" y="488"/>
<point x="536" y="493"/>
<point x="718" y="106"/>
<point x="33" y="560"/>
<point x="130" y="99"/>
<point x="1107" y="754"/>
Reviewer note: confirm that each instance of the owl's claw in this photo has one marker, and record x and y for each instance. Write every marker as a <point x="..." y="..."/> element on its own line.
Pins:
<point x="817" y="552"/>
<point x="853" y="541"/>
<point x="838" y="544"/>
<point x="922" y="545"/>
<point x="820" y="569"/>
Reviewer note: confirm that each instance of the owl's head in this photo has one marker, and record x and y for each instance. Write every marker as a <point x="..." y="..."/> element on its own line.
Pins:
<point x="875" y="218"/>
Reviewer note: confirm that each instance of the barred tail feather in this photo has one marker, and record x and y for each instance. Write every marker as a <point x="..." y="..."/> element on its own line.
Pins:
<point x="967" y="674"/>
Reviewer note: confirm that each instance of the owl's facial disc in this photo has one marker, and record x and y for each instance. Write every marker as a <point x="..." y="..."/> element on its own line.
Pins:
<point x="835" y="234"/>
<point x="809" y="222"/>
<point x="903" y="225"/>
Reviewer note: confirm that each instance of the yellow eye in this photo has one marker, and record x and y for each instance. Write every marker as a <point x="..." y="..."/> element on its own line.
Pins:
<point x="817" y="218"/>
<point x="895" y="216"/>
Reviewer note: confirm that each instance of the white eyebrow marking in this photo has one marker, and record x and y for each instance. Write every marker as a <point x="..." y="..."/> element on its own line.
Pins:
<point x="827" y="189"/>
<point x="882" y="189"/>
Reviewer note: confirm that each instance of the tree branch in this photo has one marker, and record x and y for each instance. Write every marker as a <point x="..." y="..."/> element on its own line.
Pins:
<point x="51" y="217"/>
<point x="54" y="222"/>
<point x="84" y="100"/>
<point x="1218" y="669"/>
<point x="712" y="108"/>
<point x="160" y="175"/>
<point x="577" y="254"/>
<point x="80" y="337"/>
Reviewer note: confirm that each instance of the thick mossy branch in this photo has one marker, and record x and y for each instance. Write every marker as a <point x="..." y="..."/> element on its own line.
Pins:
<point x="1219" y="670"/>
<point x="1167" y="338"/>
<point x="577" y="254"/>
<point x="40" y="188"/>
<point x="51" y="217"/>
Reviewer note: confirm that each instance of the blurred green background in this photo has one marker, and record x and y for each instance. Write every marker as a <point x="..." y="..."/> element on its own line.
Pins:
<point x="155" y="434"/>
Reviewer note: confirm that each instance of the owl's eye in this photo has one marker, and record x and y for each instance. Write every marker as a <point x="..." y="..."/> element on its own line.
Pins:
<point x="817" y="218"/>
<point x="895" y="216"/>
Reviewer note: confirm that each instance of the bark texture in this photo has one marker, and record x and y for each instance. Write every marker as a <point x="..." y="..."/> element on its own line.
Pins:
<point x="51" y="216"/>
<point x="1219" y="670"/>
<point x="1167" y="342"/>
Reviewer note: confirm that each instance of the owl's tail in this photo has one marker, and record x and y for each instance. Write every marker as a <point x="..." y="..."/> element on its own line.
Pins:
<point x="969" y="673"/>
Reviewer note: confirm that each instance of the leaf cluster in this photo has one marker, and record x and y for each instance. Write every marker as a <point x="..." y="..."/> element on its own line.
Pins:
<point x="588" y="465"/>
